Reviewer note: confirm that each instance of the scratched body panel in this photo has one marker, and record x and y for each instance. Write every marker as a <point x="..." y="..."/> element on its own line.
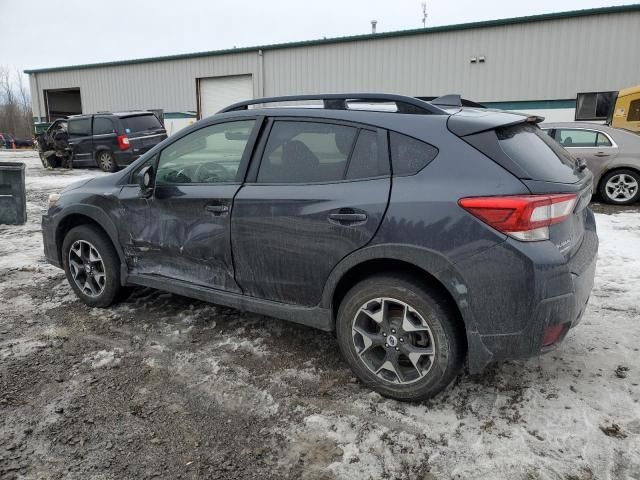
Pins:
<point x="173" y="235"/>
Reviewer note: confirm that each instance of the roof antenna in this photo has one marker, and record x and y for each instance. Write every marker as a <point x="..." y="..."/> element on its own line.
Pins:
<point x="424" y="15"/>
<point x="373" y="26"/>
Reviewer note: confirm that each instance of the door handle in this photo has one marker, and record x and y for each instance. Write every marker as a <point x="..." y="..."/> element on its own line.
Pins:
<point x="217" y="210"/>
<point x="601" y="154"/>
<point x="347" y="218"/>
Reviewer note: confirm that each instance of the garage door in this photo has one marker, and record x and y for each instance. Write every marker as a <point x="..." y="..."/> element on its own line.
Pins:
<point x="219" y="92"/>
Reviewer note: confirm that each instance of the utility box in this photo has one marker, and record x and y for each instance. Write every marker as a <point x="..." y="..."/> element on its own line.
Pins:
<point x="13" y="194"/>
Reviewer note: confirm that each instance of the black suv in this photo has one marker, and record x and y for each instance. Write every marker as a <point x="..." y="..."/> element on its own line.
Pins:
<point x="108" y="140"/>
<point x="422" y="233"/>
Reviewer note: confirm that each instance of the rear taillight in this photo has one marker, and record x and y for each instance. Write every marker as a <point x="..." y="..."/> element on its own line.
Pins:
<point x="524" y="217"/>
<point x="123" y="142"/>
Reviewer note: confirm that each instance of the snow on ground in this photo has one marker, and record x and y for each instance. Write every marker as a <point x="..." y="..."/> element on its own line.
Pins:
<point x="572" y="414"/>
<point x="21" y="246"/>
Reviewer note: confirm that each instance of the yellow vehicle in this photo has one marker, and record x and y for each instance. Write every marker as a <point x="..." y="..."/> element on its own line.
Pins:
<point x="620" y="109"/>
<point x="626" y="113"/>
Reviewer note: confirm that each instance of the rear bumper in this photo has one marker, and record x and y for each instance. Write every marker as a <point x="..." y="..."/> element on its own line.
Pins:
<point x="518" y="290"/>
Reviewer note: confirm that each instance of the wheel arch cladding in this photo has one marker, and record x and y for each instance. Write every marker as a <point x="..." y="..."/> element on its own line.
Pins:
<point x="367" y="262"/>
<point x="88" y="215"/>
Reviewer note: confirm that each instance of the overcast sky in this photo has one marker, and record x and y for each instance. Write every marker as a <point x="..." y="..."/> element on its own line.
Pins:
<point x="49" y="33"/>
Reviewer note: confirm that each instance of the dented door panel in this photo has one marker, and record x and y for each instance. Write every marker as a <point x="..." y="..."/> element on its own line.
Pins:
<point x="181" y="233"/>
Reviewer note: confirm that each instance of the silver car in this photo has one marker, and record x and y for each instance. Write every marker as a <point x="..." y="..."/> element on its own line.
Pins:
<point x="612" y="154"/>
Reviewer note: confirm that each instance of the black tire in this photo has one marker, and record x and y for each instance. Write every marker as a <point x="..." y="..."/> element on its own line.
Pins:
<point x="106" y="161"/>
<point x="445" y="327"/>
<point x="608" y="198"/>
<point x="111" y="289"/>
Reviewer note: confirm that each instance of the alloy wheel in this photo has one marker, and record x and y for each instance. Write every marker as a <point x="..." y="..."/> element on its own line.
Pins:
<point x="393" y="340"/>
<point x="621" y="187"/>
<point x="106" y="162"/>
<point x="87" y="268"/>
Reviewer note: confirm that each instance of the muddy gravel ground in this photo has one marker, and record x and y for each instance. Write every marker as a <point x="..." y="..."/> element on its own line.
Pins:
<point x="162" y="386"/>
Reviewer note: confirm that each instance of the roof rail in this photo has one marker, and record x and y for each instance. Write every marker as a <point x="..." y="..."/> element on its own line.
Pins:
<point x="338" y="101"/>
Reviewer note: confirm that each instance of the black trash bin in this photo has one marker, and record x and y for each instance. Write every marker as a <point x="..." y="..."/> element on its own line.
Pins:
<point x="13" y="195"/>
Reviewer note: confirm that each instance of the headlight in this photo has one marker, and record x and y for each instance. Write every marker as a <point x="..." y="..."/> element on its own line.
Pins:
<point x="53" y="199"/>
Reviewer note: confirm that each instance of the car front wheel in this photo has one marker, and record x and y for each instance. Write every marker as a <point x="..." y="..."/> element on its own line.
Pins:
<point x="91" y="265"/>
<point x="400" y="337"/>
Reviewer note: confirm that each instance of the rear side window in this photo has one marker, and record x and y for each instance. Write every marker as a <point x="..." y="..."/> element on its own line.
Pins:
<point x="408" y="155"/>
<point x="603" y="140"/>
<point x="140" y="123"/>
<point x="102" y="126"/>
<point x="577" y="138"/>
<point x="536" y="153"/>
<point x="366" y="161"/>
<point x="306" y="152"/>
<point x="79" y="127"/>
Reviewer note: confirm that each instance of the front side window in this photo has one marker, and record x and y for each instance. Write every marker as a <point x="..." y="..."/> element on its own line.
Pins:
<point x="209" y="155"/>
<point x="103" y="126"/>
<point x="79" y="127"/>
<point x="306" y="152"/>
<point x="577" y="138"/>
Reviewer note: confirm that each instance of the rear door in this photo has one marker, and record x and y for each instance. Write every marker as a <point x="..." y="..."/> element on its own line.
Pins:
<point x="595" y="147"/>
<point x="317" y="191"/>
<point x="81" y="140"/>
<point x="144" y="132"/>
<point x="104" y="134"/>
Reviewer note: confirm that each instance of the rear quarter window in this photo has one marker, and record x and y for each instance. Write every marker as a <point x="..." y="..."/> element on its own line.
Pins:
<point x="536" y="153"/>
<point x="408" y="155"/>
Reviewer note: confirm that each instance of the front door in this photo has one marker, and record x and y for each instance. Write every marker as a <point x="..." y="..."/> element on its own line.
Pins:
<point x="319" y="193"/>
<point x="182" y="231"/>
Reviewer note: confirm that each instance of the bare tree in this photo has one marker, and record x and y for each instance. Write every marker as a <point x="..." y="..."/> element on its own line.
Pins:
<point x="16" y="116"/>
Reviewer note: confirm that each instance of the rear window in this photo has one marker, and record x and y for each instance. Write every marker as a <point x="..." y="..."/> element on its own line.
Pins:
<point x="536" y="153"/>
<point x="140" y="123"/>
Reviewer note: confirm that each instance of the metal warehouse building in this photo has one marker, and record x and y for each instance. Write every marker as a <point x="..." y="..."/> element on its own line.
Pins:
<point x="533" y="64"/>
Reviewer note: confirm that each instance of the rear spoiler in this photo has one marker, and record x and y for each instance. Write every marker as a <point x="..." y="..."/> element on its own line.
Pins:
<point x="470" y="121"/>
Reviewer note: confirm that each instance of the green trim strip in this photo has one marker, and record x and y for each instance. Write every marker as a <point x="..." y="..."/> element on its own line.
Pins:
<point x="531" y="105"/>
<point x="174" y="115"/>
<point x="354" y="38"/>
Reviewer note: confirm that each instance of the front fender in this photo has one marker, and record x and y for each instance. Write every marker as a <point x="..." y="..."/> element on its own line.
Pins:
<point x="98" y="216"/>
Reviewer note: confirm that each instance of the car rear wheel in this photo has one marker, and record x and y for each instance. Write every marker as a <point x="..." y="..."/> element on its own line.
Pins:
<point x="92" y="266"/>
<point x="106" y="162"/>
<point x="400" y="337"/>
<point x="620" y="187"/>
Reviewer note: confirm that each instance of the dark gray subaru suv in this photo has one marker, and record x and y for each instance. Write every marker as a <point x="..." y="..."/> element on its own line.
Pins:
<point x="423" y="233"/>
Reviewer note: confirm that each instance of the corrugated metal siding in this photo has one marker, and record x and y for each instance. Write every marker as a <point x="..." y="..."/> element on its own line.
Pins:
<point x="532" y="61"/>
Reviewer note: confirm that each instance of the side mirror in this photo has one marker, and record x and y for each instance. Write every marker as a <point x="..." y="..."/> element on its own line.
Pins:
<point x="145" y="180"/>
